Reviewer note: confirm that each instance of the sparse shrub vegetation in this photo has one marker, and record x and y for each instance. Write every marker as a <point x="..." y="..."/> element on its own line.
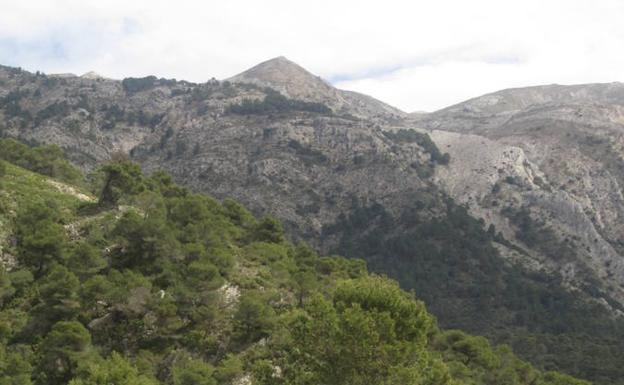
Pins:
<point x="275" y="102"/>
<point x="134" y="85"/>
<point x="309" y="155"/>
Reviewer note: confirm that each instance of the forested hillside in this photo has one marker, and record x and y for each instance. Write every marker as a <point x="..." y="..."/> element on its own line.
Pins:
<point x="121" y="278"/>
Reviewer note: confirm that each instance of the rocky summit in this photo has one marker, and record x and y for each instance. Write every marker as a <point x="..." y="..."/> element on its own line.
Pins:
<point x="294" y="81"/>
<point x="504" y="212"/>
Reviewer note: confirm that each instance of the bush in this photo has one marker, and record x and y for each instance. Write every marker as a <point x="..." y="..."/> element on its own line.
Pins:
<point x="254" y="318"/>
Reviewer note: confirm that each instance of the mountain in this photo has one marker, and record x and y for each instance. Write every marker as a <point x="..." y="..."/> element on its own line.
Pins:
<point x="294" y="81"/>
<point x="462" y="205"/>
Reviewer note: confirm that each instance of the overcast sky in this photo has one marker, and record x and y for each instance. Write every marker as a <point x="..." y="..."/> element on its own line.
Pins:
<point x="416" y="55"/>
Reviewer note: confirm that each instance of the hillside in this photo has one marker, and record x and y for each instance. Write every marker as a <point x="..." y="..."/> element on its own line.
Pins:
<point x="152" y="284"/>
<point x="478" y="221"/>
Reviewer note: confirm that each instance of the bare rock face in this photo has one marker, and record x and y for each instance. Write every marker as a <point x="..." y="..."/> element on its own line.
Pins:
<point x="555" y="151"/>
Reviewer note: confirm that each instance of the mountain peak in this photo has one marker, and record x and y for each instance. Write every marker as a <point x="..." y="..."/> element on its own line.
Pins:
<point x="280" y="59"/>
<point x="287" y="77"/>
<point x="294" y="81"/>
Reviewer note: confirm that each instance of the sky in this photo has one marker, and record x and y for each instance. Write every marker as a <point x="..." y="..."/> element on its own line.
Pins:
<point x="415" y="55"/>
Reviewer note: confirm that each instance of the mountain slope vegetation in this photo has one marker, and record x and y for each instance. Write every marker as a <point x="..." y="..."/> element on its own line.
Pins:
<point x="502" y="213"/>
<point x="152" y="284"/>
<point x="454" y="265"/>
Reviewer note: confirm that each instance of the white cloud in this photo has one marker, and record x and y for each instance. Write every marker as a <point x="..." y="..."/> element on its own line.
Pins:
<point x="417" y="55"/>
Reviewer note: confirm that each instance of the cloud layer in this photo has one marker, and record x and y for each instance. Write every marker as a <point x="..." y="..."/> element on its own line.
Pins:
<point x="417" y="55"/>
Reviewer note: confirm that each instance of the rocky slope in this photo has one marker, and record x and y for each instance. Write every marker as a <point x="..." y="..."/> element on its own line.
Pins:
<point x="313" y="164"/>
<point x="555" y="151"/>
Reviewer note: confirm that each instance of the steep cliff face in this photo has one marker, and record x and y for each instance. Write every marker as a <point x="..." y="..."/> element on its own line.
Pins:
<point x="553" y="151"/>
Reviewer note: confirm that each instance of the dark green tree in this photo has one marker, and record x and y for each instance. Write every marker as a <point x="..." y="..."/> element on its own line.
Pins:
<point x="6" y="288"/>
<point x="143" y="241"/>
<point x="62" y="351"/>
<point x="269" y="230"/>
<point x="306" y="282"/>
<point x="47" y="160"/>
<point x="191" y="371"/>
<point x="229" y="369"/>
<point x="120" y="178"/>
<point x="254" y="318"/>
<point x="15" y="366"/>
<point x="41" y="238"/>
<point x="372" y="333"/>
<point x="85" y="259"/>
<point x="59" y="292"/>
<point x="116" y="370"/>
